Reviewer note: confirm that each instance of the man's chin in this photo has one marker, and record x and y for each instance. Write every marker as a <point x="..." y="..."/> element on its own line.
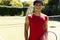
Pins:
<point x="38" y="10"/>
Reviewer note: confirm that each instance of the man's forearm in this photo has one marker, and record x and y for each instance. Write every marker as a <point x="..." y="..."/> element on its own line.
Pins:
<point x="46" y="34"/>
<point x="26" y="31"/>
<point x="26" y="35"/>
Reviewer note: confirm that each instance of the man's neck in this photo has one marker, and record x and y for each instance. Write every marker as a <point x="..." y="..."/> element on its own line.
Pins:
<point x="37" y="13"/>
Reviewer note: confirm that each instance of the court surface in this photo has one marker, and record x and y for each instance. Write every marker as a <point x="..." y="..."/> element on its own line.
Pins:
<point x="12" y="28"/>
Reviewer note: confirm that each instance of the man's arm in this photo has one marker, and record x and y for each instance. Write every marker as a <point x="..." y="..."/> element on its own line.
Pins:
<point x="26" y="28"/>
<point x="46" y="29"/>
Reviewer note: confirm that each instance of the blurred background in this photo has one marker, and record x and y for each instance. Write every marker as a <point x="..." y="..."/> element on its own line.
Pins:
<point x="13" y="13"/>
<point x="20" y="7"/>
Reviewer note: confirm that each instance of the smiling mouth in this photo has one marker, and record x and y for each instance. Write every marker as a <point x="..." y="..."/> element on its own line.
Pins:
<point x="37" y="8"/>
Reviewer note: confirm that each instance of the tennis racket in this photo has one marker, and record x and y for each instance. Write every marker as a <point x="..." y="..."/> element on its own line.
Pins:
<point x="50" y="36"/>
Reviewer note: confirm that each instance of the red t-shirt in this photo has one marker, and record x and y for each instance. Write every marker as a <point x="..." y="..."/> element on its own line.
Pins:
<point x="37" y="26"/>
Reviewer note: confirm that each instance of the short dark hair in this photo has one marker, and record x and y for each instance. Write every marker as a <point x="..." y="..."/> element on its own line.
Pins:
<point x="37" y="2"/>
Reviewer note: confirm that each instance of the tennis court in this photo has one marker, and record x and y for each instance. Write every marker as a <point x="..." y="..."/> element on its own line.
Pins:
<point x="12" y="28"/>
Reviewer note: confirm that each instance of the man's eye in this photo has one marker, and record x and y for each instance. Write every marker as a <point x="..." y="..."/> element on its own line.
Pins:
<point x="38" y="5"/>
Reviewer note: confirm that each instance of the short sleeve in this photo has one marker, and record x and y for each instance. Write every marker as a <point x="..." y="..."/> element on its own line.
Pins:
<point x="46" y="18"/>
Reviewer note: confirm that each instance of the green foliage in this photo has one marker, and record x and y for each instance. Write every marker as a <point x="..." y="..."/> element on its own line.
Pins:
<point x="25" y="7"/>
<point x="59" y="9"/>
<point x="53" y="2"/>
<point x="45" y="2"/>
<point x="10" y="11"/>
<point x="11" y="3"/>
<point x="25" y="4"/>
<point x="52" y="8"/>
<point x="16" y="3"/>
<point x="5" y="2"/>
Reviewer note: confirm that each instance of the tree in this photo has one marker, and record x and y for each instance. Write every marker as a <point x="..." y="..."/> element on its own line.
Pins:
<point x="53" y="2"/>
<point x="16" y="3"/>
<point x="5" y="2"/>
<point x="52" y="8"/>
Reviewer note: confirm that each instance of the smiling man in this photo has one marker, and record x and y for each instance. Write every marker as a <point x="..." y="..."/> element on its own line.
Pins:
<point x="37" y="22"/>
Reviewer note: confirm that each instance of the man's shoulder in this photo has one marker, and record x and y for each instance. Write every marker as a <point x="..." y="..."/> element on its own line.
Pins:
<point x="30" y="15"/>
<point x="44" y="15"/>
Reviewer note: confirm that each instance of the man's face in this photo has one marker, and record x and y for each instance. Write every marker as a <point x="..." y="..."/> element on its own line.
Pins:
<point x="38" y="7"/>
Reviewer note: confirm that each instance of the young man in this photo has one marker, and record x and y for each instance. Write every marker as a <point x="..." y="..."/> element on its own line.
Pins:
<point x="37" y="22"/>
